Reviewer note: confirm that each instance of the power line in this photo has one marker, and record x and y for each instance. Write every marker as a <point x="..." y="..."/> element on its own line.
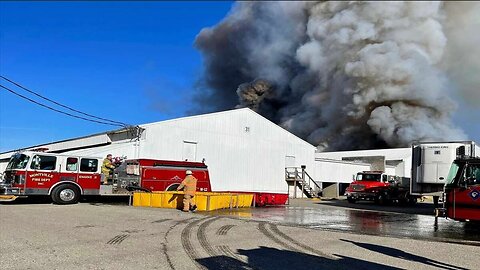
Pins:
<point x="61" y="105"/>
<point x="53" y="109"/>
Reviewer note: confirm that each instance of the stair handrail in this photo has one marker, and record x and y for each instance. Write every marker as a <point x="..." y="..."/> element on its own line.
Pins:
<point x="299" y="174"/>
<point x="295" y="173"/>
<point x="315" y="183"/>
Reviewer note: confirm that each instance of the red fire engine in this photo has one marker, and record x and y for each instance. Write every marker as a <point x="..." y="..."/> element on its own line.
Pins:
<point x="65" y="178"/>
<point x="379" y="187"/>
<point x="462" y="191"/>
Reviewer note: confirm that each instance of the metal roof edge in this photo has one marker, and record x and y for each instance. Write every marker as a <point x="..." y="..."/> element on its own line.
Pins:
<point x="279" y="127"/>
<point x="194" y="116"/>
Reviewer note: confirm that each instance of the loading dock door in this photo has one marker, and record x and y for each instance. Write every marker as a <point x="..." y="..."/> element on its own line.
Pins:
<point x="189" y="151"/>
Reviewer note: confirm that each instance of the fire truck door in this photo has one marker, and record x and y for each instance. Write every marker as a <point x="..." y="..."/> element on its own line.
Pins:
<point x="42" y="173"/>
<point x="70" y="172"/>
<point x="466" y="197"/>
<point x="89" y="176"/>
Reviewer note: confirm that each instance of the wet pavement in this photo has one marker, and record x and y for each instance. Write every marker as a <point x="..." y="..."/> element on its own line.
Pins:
<point x="413" y="222"/>
<point x="393" y="221"/>
<point x="104" y="234"/>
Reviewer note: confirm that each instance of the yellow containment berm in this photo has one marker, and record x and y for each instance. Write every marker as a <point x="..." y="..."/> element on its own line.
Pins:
<point x="205" y="201"/>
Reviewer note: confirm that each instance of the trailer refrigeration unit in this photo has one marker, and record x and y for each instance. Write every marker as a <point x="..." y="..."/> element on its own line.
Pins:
<point x="431" y="163"/>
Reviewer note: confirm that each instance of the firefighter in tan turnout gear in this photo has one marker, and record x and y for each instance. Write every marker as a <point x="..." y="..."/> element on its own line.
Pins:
<point x="189" y="186"/>
<point x="107" y="167"/>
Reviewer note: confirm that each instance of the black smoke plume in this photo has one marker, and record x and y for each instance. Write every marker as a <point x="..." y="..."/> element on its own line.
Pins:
<point x="342" y="75"/>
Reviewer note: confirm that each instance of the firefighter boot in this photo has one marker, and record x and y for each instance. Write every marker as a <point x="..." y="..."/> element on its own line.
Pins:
<point x="187" y="199"/>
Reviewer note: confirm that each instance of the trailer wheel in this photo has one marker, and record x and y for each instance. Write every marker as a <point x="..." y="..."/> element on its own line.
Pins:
<point x="351" y="200"/>
<point x="412" y="200"/>
<point x="66" y="194"/>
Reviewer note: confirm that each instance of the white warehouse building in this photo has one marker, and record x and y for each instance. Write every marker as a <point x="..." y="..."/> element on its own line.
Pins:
<point x="243" y="151"/>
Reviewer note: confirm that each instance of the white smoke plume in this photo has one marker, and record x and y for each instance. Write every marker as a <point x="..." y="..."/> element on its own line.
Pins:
<point x="343" y="75"/>
<point x="462" y="59"/>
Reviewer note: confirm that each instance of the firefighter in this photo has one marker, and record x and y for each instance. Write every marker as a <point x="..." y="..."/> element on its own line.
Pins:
<point x="107" y="168"/>
<point x="189" y="186"/>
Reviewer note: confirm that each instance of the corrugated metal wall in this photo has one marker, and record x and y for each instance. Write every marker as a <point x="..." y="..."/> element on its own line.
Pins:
<point x="244" y="151"/>
<point x="404" y="155"/>
<point x="337" y="171"/>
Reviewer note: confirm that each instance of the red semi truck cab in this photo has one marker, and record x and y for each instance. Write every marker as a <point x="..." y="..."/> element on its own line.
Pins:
<point x="379" y="187"/>
<point x="65" y="178"/>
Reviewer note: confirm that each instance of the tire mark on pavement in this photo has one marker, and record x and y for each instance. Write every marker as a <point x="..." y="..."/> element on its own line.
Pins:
<point x="133" y="231"/>
<point x="219" y="253"/>
<point x="226" y="250"/>
<point x="224" y="229"/>
<point x="201" y="236"/>
<point x="262" y="226"/>
<point x="85" y="226"/>
<point x="277" y="231"/>
<point x="117" y="239"/>
<point x="187" y="220"/>
<point x="161" y="220"/>
<point x="187" y="244"/>
<point x="165" y="239"/>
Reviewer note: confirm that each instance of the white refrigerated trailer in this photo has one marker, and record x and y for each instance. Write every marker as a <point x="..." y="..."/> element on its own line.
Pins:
<point x="431" y="163"/>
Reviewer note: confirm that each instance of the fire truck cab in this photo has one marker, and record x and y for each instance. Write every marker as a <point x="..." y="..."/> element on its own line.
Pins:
<point x="462" y="190"/>
<point x="65" y="178"/>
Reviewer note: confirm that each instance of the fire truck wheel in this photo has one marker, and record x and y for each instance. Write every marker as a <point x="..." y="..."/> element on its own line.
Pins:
<point x="172" y="187"/>
<point x="65" y="194"/>
<point x="381" y="199"/>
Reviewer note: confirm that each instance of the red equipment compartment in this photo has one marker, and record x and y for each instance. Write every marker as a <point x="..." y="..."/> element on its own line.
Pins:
<point x="163" y="178"/>
<point x="263" y="199"/>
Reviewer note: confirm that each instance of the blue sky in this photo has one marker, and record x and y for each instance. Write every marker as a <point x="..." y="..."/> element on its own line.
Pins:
<point x="128" y="61"/>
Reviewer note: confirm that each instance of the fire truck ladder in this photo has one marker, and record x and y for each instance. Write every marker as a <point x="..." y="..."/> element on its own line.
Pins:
<point x="298" y="178"/>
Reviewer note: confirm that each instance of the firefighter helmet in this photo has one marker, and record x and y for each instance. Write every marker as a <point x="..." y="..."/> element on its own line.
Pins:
<point x="188" y="172"/>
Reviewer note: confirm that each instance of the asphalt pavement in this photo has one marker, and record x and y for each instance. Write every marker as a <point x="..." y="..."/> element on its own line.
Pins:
<point x="103" y="235"/>
<point x="413" y="222"/>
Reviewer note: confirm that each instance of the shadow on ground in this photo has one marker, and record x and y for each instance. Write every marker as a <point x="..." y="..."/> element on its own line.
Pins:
<point x="397" y="253"/>
<point x="277" y="259"/>
<point x="93" y="200"/>
<point x="29" y="200"/>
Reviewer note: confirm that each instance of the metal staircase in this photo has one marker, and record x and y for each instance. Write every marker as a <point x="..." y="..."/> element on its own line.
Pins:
<point x="297" y="177"/>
